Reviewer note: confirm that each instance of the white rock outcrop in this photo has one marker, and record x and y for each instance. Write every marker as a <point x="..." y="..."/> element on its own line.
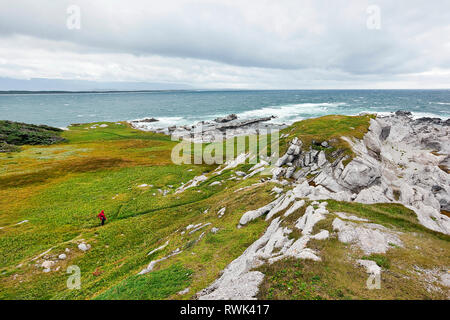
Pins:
<point x="47" y="264"/>
<point x="371" y="266"/>
<point x="254" y="214"/>
<point x="370" y="237"/>
<point x="192" y="183"/>
<point x="152" y="263"/>
<point x="394" y="163"/>
<point x="238" y="280"/>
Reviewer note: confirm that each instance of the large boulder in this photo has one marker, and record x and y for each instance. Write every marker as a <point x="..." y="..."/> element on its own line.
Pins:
<point x="290" y="172"/>
<point x="359" y="174"/>
<point x="321" y="159"/>
<point x="281" y="161"/>
<point x="370" y="237"/>
<point x="385" y="131"/>
<point x="373" y="194"/>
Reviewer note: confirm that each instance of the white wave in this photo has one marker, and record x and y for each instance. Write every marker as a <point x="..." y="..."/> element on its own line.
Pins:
<point x="288" y="114"/>
<point x="415" y="115"/>
<point x="170" y="121"/>
<point x="284" y="113"/>
<point x="443" y="103"/>
<point x="291" y="112"/>
<point x="163" y="122"/>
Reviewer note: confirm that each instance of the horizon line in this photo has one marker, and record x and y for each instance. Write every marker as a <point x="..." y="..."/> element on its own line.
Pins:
<point x="18" y="91"/>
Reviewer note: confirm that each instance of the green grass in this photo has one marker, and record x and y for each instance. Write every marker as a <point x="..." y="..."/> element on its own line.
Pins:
<point x="60" y="189"/>
<point x="291" y="279"/>
<point x="151" y="286"/>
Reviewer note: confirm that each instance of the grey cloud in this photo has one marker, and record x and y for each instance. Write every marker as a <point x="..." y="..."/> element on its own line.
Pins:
<point x="283" y="35"/>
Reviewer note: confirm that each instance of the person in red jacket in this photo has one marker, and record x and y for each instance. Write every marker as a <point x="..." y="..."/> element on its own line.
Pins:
<point x="102" y="217"/>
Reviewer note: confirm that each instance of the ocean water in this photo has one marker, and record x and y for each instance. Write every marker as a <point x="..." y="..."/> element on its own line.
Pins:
<point x="186" y="107"/>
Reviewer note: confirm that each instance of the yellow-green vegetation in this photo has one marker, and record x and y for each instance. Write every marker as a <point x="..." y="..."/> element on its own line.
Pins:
<point x="156" y="285"/>
<point x="58" y="191"/>
<point x="50" y="196"/>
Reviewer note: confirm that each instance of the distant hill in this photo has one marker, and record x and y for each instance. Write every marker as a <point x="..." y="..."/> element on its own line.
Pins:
<point x="43" y="84"/>
<point x="66" y="91"/>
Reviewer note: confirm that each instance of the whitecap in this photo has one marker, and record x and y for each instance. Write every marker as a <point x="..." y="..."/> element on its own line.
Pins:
<point x="415" y="115"/>
<point x="442" y="103"/>
<point x="292" y="112"/>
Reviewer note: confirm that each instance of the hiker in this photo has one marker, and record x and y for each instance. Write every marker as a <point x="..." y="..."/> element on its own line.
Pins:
<point x="102" y="217"/>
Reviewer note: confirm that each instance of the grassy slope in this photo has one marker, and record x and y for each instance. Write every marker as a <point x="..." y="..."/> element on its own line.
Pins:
<point x="61" y="188"/>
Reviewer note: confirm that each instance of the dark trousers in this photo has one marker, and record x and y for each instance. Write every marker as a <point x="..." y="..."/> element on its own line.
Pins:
<point x="103" y="221"/>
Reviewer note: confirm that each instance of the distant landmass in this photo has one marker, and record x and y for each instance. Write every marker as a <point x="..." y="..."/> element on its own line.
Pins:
<point x="87" y="91"/>
<point x="43" y="85"/>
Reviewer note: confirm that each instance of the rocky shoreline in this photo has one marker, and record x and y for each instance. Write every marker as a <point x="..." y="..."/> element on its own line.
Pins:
<point x="210" y="131"/>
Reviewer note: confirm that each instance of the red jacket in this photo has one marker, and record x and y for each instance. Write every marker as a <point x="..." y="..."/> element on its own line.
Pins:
<point x="101" y="215"/>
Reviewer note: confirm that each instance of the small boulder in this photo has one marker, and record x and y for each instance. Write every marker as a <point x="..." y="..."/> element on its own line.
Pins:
<point x="47" y="264"/>
<point x="385" y="131"/>
<point x="84" y="246"/>
<point x="62" y="256"/>
<point x="182" y="292"/>
<point x="403" y="113"/>
<point x="289" y="172"/>
<point x="149" y="120"/>
<point x="321" y="159"/>
<point x="226" y="119"/>
<point x="281" y="161"/>
<point x="277" y="190"/>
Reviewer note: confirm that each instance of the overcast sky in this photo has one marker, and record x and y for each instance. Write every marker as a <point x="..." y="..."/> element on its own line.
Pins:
<point x="228" y="44"/>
